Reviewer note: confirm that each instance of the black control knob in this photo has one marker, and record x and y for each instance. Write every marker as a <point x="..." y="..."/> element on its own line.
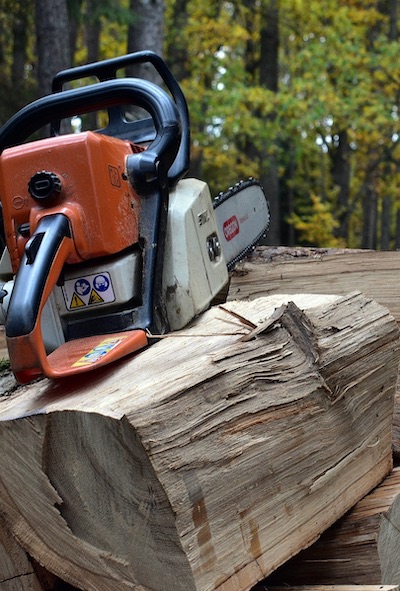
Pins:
<point x="44" y="185"/>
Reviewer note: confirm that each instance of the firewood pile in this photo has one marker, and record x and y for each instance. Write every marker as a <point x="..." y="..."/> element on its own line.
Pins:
<point x="256" y="449"/>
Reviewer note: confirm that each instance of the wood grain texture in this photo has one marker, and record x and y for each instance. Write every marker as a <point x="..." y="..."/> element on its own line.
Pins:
<point x="270" y="271"/>
<point x="16" y="570"/>
<point x="362" y="547"/>
<point x="205" y="462"/>
<point x="309" y="270"/>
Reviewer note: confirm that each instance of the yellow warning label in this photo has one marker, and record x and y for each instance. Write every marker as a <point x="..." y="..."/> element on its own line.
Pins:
<point x="76" y="302"/>
<point x="95" y="298"/>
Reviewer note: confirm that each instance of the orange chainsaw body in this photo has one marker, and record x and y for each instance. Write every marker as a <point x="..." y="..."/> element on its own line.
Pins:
<point x="86" y="207"/>
<point x="96" y="197"/>
<point x="103" y="211"/>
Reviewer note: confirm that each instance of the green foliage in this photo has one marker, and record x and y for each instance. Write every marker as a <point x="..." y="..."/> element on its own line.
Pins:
<point x="338" y="73"/>
<point x="317" y="224"/>
<point x="114" y="18"/>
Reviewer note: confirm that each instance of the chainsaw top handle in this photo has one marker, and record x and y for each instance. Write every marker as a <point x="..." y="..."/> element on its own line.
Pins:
<point x="149" y="165"/>
<point x="118" y="126"/>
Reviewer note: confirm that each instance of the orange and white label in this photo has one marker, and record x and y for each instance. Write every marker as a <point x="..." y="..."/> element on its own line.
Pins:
<point x="231" y="228"/>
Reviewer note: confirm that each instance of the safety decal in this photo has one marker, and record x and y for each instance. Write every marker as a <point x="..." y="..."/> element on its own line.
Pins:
<point x="90" y="290"/>
<point x="98" y="352"/>
<point x="77" y="302"/>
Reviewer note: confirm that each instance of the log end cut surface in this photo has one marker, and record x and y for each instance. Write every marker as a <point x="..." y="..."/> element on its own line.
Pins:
<point x="205" y="462"/>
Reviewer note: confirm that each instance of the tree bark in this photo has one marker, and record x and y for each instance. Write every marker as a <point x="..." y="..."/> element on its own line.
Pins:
<point x="204" y="462"/>
<point x="393" y="20"/>
<point x="75" y="19"/>
<point x="340" y="159"/>
<point x="269" y="78"/>
<point x="177" y="49"/>
<point x="370" y="217"/>
<point x="20" y="37"/>
<point x="52" y="38"/>
<point x="146" y="33"/>
<point x="92" y="31"/>
<point x="386" y="217"/>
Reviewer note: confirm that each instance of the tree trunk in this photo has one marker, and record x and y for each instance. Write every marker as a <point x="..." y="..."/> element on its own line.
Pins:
<point x="204" y="462"/>
<point x="75" y="19"/>
<point x="269" y="77"/>
<point x="146" y="33"/>
<point x="393" y="20"/>
<point x="20" y="37"/>
<point x="370" y="217"/>
<point x="92" y="38"/>
<point x="52" y="37"/>
<point x="92" y="31"/>
<point x="177" y="49"/>
<point x="386" y="217"/>
<point x="340" y="159"/>
<point x="397" y="236"/>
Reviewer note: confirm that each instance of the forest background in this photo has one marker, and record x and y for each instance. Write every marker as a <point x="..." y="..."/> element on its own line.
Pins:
<point x="301" y="94"/>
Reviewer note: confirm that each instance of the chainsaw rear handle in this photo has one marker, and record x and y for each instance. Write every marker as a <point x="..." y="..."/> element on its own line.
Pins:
<point x="160" y="154"/>
<point x="35" y="270"/>
<point x="45" y="254"/>
<point x="107" y="70"/>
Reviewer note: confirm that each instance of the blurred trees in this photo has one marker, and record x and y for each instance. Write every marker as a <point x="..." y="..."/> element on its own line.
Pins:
<point x="52" y="41"/>
<point x="303" y="94"/>
<point x="328" y="122"/>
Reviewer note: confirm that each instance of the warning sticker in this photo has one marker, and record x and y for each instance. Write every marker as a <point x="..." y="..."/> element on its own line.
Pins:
<point x="90" y="290"/>
<point x="76" y="302"/>
<point x="98" y="352"/>
<point x="95" y="298"/>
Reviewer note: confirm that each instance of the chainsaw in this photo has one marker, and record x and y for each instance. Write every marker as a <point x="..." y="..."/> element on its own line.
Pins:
<point x="107" y="240"/>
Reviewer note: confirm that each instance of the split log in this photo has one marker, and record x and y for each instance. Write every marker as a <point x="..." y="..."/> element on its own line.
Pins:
<point x="270" y="271"/>
<point x="205" y="462"/>
<point x="16" y="570"/>
<point x="362" y="547"/>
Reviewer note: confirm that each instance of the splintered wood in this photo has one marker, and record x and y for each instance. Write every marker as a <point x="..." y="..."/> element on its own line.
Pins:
<point x="16" y="571"/>
<point x="205" y="462"/>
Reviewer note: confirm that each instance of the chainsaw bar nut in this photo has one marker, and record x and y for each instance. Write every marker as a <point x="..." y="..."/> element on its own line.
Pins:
<point x="44" y="185"/>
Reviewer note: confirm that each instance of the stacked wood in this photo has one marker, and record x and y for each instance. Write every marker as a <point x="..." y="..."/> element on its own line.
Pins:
<point x="319" y="271"/>
<point x="211" y="458"/>
<point x="361" y="548"/>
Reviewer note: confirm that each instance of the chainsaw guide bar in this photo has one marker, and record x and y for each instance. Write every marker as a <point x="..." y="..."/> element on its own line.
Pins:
<point x="243" y="217"/>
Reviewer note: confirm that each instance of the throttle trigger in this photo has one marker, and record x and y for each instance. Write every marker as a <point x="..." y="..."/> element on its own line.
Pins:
<point x="32" y="247"/>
